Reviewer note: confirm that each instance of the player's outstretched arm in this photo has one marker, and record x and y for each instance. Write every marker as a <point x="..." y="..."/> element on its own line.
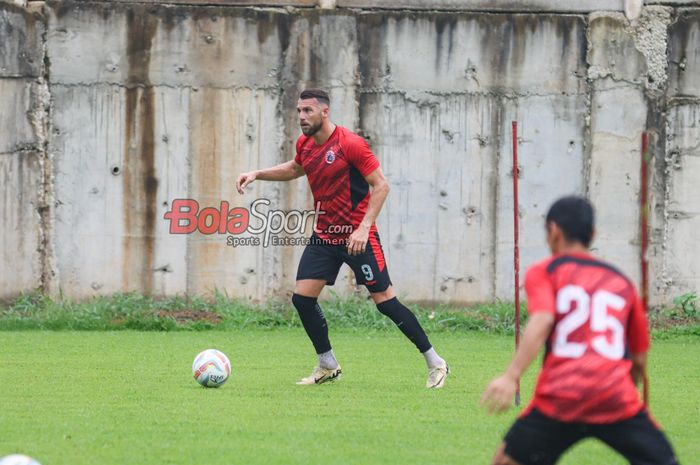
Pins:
<point x="499" y="394"/>
<point x="638" y="339"/>
<point x="283" y="172"/>
<point x="380" y="190"/>
<point x="639" y="367"/>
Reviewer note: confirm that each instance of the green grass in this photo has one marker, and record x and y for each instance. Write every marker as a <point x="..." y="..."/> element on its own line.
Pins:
<point x="127" y="397"/>
<point x="180" y="313"/>
<point x="138" y="312"/>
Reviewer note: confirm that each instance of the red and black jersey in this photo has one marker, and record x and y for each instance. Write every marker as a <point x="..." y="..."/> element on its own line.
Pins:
<point x="599" y="321"/>
<point x="336" y="172"/>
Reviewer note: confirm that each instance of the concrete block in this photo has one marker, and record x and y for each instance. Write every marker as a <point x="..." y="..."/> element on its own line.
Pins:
<point x="582" y="6"/>
<point x="682" y="236"/>
<point x="16" y="97"/>
<point x="619" y="71"/>
<point x="631" y="52"/>
<point x="310" y="62"/>
<point x="448" y="52"/>
<point x="437" y="224"/>
<point x="131" y="148"/>
<point x="232" y="132"/>
<point x="617" y="121"/>
<point x="551" y="160"/>
<point x="21" y="47"/>
<point x="20" y="223"/>
<point x="612" y="50"/>
<point x="684" y="54"/>
<point x="178" y="46"/>
<point x="141" y="149"/>
<point x="204" y="3"/>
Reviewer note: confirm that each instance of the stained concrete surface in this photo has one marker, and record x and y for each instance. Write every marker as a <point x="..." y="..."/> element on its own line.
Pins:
<point x="110" y="112"/>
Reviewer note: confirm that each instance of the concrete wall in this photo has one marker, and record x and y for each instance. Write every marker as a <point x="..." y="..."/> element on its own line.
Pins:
<point x="22" y="152"/>
<point x="110" y="111"/>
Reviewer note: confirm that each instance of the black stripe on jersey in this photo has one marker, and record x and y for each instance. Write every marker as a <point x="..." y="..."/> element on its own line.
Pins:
<point x="359" y="187"/>
<point x="557" y="262"/>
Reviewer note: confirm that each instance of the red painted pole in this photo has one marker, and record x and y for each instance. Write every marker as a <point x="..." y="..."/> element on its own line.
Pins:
<point x="644" y="219"/>
<point x="644" y="237"/>
<point x="516" y="249"/>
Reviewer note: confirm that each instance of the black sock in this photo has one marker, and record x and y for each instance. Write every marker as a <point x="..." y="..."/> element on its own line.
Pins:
<point x="314" y="322"/>
<point x="406" y="321"/>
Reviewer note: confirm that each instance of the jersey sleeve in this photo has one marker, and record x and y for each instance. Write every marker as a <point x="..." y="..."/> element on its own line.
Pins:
<point x="360" y="156"/>
<point x="297" y="157"/>
<point x="539" y="290"/>
<point x="637" y="327"/>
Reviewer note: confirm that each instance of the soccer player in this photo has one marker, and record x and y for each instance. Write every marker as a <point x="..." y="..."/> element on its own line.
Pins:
<point x="348" y="185"/>
<point x="595" y="329"/>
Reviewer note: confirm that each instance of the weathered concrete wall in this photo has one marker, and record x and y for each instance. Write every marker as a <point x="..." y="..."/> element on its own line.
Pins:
<point x="438" y="107"/>
<point x="146" y="104"/>
<point x="558" y="6"/>
<point x="21" y="160"/>
<point x="680" y="267"/>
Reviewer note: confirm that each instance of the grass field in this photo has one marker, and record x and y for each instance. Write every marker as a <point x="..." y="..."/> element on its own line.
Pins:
<point x="127" y="397"/>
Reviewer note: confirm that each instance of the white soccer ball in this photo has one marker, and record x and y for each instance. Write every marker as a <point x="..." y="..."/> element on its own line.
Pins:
<point x="17" y="459"/>
<point x="211" y="368"/>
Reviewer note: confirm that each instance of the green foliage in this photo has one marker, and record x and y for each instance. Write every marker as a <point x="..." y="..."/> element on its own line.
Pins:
<point x="139" y="312"/>
<point x="195" y="313"/>
<point x="681" y="319"/>
<point x="686" y="305"/>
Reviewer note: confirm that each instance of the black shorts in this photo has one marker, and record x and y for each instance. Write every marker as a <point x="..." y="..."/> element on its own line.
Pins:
<point x="536" y="439"/>
<point x="323" y="259"/>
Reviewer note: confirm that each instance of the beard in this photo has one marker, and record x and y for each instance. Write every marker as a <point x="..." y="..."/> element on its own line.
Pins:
<point x="311" y="129"/>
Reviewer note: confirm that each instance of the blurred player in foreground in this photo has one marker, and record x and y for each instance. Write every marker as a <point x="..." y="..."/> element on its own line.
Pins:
<point x="349" y="186"/>
<point x="594" y="327"/>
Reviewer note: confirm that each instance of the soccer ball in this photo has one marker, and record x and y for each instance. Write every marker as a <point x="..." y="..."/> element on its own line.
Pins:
<point x="211" y="368"/>
<point x="17" y="459"/>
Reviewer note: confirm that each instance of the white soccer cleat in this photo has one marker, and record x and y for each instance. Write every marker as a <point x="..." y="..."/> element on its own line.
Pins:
<point x="320" y="376"/>
<point x="437" y="377"/>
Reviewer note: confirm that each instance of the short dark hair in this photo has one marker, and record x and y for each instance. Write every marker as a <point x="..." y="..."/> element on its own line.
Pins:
<point x="575" y="216"/>
<point x="318" y="94"/>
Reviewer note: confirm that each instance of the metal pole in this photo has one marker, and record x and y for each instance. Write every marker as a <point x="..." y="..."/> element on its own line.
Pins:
<point x="516" y="249"/>
<point x="644" y="238"/>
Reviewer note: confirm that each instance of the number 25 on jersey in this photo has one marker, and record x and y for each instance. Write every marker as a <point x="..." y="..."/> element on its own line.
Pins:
<point x="600" y="311"/>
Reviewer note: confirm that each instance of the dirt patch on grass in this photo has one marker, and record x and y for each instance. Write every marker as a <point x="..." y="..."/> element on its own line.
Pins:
<point x="189" y="316"/>
<point x="663" y="322"/>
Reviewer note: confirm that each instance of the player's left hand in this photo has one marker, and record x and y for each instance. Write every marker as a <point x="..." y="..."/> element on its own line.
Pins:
<point x="499" y="395"/>
<point x="358" y="240"/>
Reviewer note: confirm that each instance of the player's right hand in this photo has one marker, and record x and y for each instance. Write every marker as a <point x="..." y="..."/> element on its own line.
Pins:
<point x="498" y="396"/>
<point x="243" y="180"/>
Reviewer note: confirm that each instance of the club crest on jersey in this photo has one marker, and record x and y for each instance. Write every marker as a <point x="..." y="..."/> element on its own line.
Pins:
<point x="330" y="157"/>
